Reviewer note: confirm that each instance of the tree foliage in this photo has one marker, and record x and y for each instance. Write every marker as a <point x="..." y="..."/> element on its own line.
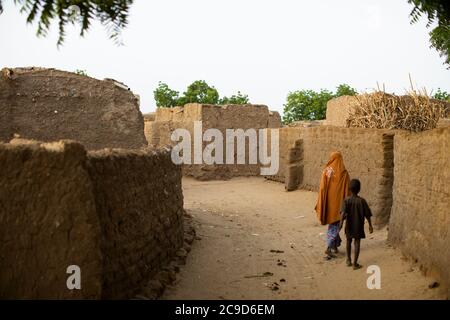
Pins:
<point x="165" y="97"/>
<point x="197" y="92"/>
<point x="345" y="90"/>
<point x="437" y="12"/>
<point x="311" y="105"/>
<point x="238" y="98"/>
<point x="441" y="95"/>
<point x="113" y="14"/>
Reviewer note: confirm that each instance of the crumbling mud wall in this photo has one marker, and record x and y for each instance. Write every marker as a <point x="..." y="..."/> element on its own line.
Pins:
<point x="420" y="219"/>
<point x="114" y="213"/>
<point x="6" y="130"/>
<point x="158" y="132"/>
<point x="48" y="222"/>
<point x="287" y="138"/>
<point x="368" y="156"/>
<point x="140" y="206"/>
<point x="49" y="105"/>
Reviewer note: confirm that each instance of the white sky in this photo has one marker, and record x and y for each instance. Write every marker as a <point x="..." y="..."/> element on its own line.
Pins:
<point x="264" y="48"/>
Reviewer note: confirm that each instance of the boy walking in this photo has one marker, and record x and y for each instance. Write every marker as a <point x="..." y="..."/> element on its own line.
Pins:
<point x="355" y="210"/>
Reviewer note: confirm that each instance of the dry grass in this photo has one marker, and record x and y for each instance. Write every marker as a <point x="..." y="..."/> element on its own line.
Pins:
<point x="415" y="111"/>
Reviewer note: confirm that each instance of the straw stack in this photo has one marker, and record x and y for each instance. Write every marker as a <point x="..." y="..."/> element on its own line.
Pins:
<point x="415" y="111"/>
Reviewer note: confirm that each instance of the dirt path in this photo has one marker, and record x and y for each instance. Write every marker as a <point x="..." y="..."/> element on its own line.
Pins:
<point x="241" y="222"/>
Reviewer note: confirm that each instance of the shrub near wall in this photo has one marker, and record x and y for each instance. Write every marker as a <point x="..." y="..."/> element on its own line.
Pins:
<point x="420" y="219"/>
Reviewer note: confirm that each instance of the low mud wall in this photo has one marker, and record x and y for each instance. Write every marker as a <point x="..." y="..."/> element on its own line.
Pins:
<point x="368" y="156"/>
<point x="49" y="105"/>
<point x="420" y="218"/>
<point x="117" y="214"/>
<point x="139" y="203"/>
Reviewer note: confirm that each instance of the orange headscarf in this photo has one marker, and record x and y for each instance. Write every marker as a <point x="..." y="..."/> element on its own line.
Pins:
<point x="333" y="190"/>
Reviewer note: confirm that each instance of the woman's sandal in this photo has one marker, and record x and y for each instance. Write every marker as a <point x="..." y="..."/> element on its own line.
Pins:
<point x="349" y="263"/>
<point x="329" y="254"/>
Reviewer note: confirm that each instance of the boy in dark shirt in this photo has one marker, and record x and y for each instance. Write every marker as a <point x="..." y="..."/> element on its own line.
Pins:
<point x="354" y="210"/>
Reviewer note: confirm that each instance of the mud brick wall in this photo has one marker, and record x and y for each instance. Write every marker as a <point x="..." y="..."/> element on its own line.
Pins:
<point x="48" y="221"/>
<point x="117" y="214"/>
<point x="6" y="120"/>
<point x="212" y="116"/>
<point x="368" y="156"/>
<point x="274" y="120"/>
<point x="338" y="110"/>
<point x="49" y="105"/>
<point x="140" y="205"/>
<point x="231" y="117"/>
<point x="420" y="219"/>
<point x="443" y="122"/>
<point x="287" y="139"/>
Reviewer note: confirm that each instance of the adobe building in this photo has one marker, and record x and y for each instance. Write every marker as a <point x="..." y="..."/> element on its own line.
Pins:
<point x="49" y="105"/>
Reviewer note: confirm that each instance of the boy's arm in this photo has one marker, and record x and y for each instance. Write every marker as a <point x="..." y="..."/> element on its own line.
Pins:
<point x="343" y="215"/>
<point x="368" y="214"/>
<point x="341" y="222"/>
<point x="370" y="224"/>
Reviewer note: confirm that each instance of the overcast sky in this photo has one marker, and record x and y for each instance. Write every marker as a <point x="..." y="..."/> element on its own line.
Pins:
<point x="260" y="47"/>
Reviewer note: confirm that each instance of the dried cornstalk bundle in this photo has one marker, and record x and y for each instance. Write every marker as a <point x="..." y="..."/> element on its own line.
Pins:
<point x="415" y="111"/>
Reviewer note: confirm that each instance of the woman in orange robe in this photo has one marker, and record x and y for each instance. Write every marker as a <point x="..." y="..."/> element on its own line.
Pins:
<point x="334" y="188"/>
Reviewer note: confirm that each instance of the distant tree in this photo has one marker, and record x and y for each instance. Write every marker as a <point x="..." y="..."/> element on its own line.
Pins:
<point x="165" y="97"/>
<point x="113" y="14"/>
<point x="81" y="72"/>
<point x="441" y="95"/>
<point x="345" y="90"/>
<point x="199" y="91"/>
<point x="306" y="105"/>
<point x="311" y="105"/>
<point x="436" y="11"/>
<point x="238" y="98"/>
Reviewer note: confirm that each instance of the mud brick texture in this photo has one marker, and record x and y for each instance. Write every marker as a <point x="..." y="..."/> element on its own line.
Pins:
<point x="50" y="105"/>
<point x="420" y="218"/>
<point x="117" y="214"/>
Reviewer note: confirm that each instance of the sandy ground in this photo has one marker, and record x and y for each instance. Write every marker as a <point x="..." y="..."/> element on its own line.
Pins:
<point x="240" y="222"/>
